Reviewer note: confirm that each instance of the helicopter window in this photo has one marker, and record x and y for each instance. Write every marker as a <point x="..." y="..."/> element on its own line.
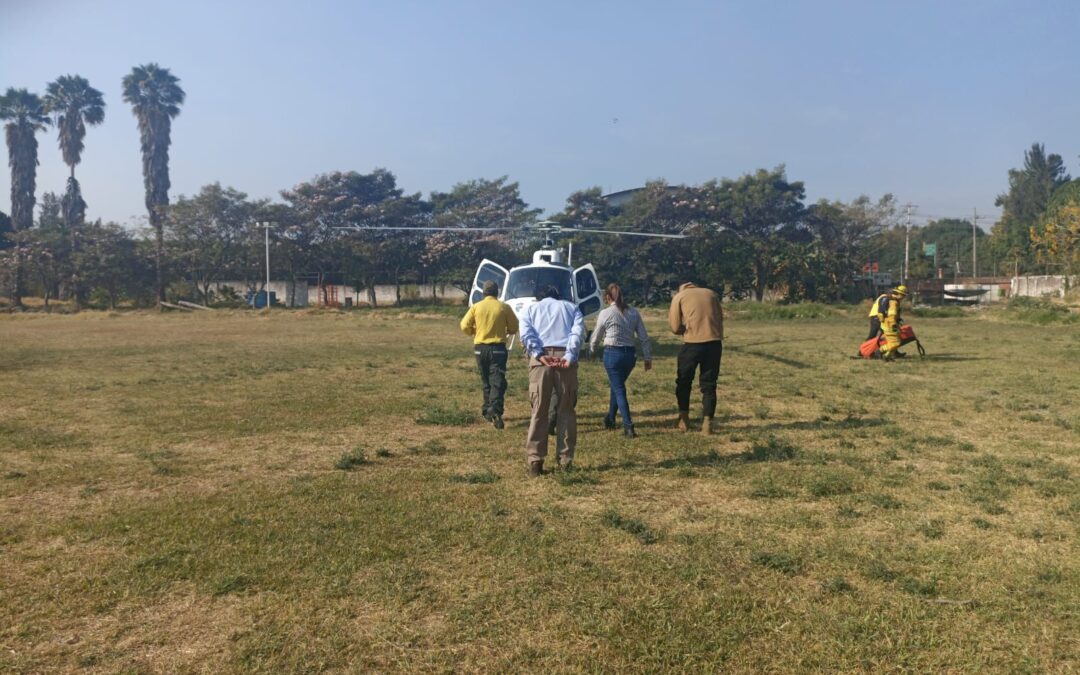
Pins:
<point x="524" y="283"/>
<point x="591" y="306"/>
<point x="586" y="284"/>
<point x="476" y="297"/>
<point x="489" y="273"/>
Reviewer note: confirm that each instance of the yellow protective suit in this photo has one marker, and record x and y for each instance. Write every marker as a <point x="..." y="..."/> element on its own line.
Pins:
<point x="890" y="328"/>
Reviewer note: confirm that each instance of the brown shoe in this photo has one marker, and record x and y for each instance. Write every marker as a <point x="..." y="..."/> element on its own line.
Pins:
<point x="536" y="468"/>
<point x="706" y="426"/>
<point x="684" y="421"/>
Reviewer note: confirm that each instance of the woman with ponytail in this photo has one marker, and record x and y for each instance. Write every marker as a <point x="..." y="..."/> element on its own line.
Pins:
<point x="615" y="329"/>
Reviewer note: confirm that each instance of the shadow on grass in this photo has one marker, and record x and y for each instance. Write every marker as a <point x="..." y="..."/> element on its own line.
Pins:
<point x="820" y="424"/>
<point x="672" y="349"/>
<point x="772" y="450"/>
<point x="782" y="360"/>
<point x="707" y="459"/>
<point x="954" y="357"/>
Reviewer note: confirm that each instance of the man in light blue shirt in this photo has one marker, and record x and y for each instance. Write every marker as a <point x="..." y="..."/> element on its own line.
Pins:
<point x="551" y="333"/>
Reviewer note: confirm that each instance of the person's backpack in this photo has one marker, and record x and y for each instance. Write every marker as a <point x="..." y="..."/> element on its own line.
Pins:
<point x="883" y="306"/>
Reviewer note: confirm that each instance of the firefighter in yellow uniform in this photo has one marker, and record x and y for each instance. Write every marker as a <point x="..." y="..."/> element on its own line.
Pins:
<point x="890" y="321"/>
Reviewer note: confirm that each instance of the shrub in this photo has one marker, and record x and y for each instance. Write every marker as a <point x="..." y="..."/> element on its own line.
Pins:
<point x="933" y="529"/>
<point x="766" y="488"/>
<point x="568" y="478"/>
<point x="772" y="450"/>
<point x="351" y="459"/>
<point x="631" y="525"/>
<point x="432" y="447"/>
<point x="885" y="501"/>
<point x="781" y="562"/>
<point x="1040" y="311"/>
<point x="936" y="312"/>
<point x="443" y="417"/>
<point x="836" y="586"/>
<point x="763" y="311"/>
<point x="477" y="477"/>
<point x="829" y="484"/>
<point x="235" y="583"/>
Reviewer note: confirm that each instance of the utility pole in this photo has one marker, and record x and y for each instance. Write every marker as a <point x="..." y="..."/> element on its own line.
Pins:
<point x="266" y="225"/>
<point x="974" y="260"/>
<point x="907" y="242"/>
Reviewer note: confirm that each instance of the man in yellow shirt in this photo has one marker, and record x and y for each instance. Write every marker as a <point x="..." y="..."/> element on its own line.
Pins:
<point x="490" y="322"/>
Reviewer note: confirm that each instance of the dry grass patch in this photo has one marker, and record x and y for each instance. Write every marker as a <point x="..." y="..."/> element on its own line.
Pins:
<point x="169" y="502"/>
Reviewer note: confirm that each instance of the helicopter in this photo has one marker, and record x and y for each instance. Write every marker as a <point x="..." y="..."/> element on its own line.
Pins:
<point x="518" y="285"/>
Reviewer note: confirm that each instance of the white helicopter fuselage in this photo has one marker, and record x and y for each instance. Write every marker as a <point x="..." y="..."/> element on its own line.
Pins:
<point x="519" y="285"/>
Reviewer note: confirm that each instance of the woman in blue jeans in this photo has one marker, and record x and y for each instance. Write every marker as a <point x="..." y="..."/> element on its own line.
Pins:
<point x="615" y="328"/>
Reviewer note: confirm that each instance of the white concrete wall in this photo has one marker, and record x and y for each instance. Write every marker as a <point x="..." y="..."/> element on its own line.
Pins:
<point x="385" y="295"/>
<point x="1040" y="286"/>
<point x="279" y="288"/>
<point x="307" y="295"/>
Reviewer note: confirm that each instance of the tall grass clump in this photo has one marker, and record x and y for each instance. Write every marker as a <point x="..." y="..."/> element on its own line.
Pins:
<point x="771" y="450"/>
<point x="1040" y="311"/>
<point x="351" y="459"/>
<point x="633" y="526"/>
<point x="764" y="311"/>
<point x="445" y="417"/>
<point x="943" y="312"/>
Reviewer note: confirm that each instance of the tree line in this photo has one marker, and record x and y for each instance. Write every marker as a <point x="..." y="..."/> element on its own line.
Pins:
<point x="750" y="236"/>
<point x="72" y="248"/>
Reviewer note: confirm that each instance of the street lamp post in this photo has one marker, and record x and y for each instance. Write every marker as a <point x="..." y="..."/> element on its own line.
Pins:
<point x="266" y="225"/>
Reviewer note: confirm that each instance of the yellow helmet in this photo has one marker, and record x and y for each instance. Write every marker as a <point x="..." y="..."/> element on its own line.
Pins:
<point x="900" y="290"/>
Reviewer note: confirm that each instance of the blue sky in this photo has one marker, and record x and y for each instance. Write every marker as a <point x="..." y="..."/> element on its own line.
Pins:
<point x="932" y="101"/>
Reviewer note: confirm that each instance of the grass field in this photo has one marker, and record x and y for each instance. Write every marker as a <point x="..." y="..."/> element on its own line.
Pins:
<point x="315" y="491"/>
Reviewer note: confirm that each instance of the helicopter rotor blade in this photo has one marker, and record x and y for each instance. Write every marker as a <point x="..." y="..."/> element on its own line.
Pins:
<point x="538" y="228"/>
<point x="632" y="234"/>
<point x="371" y="228"/>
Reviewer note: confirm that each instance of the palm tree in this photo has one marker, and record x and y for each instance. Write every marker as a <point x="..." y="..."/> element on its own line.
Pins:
<point x="155" y="99"/>
<point x="74" y="105"/>
<point x="25" y="116"/>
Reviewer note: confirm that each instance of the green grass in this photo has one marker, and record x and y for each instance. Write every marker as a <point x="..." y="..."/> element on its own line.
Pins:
<point x="308" y="491"/>
<point x="765" y="311"/>
<point x="942" y="312"/>
<point x="351" y="459"/>
<point x="637" y="528"/>
<point x="1040" y="311"/>
<point x="477" y="477"/>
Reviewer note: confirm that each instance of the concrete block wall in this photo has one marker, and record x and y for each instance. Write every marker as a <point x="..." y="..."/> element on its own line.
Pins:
<point x="1042" y="286"/>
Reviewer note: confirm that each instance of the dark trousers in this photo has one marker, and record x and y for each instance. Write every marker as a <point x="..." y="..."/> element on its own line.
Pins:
<point x="705" y="355"/>
<point x="619" y="362"/>
<point x="875" y="328"/>
<point x="491" y="362"/>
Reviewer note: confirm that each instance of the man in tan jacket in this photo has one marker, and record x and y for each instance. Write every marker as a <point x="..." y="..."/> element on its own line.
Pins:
<point x="697" y="316"/>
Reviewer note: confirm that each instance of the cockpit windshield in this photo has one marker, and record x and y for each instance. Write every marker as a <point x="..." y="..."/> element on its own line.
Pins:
<point x="524" y="283"/>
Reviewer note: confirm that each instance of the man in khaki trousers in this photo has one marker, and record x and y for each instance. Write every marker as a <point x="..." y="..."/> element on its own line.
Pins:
<point x="552" y="332"/>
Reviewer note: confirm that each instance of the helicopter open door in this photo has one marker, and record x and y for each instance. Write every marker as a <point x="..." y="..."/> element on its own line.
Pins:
<point x="587" y="290"/>
<point x="488" y="271"/>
